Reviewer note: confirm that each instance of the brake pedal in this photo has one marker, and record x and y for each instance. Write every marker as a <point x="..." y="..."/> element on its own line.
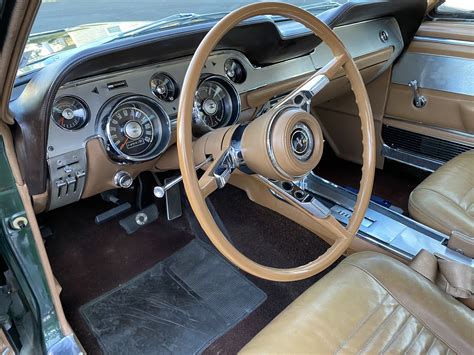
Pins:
<point x="139" y="219"/>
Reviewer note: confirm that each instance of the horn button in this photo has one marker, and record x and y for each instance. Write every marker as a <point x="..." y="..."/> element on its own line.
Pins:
<point x="295" y="143"/>
<point x="302" y="141"/>
<point x="283" y="145"/>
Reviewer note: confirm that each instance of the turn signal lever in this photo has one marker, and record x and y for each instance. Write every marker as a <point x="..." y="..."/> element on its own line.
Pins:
<point x="160" y="191"/>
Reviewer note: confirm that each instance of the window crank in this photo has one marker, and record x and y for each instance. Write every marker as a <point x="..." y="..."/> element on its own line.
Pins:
<point x="419" y="100"/>
<point x="160" y="191"/>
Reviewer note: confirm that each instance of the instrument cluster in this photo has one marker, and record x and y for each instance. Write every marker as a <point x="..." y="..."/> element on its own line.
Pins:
<point x="138" y="126"/>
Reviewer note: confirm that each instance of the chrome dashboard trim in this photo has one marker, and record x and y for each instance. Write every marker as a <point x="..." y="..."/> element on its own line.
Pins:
<point x="436" y="72"/>
<point x="455" y="42"/>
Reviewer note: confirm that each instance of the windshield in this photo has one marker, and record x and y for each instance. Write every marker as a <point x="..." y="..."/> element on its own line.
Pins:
<point x="62" y="26"/>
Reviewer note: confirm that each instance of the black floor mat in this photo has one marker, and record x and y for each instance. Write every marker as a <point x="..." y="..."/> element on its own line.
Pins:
<point x="179" y="306"/>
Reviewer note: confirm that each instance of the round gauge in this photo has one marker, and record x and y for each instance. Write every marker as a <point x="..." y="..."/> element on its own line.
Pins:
<point x="216" y="104"/>
<point x="137" y="129"/>
<point x="235" y="70"/>
<point x="164" y="87"/>
<point x="70" y="113"/>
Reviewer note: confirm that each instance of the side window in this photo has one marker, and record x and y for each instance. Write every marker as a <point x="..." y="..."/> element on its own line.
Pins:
<point x="455" y="9"/>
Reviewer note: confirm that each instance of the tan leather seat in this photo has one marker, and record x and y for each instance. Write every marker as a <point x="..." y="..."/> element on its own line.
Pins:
<point x="445" y="200"/>
<point x="369" y="303"/>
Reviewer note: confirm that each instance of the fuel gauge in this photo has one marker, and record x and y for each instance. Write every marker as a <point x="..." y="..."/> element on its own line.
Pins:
<point x="70" y="113"/>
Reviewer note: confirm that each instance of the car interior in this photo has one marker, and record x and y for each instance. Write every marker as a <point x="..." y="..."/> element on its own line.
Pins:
<point x="284" y="177"/>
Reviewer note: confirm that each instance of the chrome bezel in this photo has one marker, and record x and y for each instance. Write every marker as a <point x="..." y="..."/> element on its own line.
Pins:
<point x="161" y="143"/>
<point x="82" y="102"/>
<point x="175" y="83"/>
<point x="201" y="127"/>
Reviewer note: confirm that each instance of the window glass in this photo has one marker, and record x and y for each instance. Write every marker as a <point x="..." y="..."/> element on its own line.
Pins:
<point x="62" y="26"/>
<point x="456" y="9"/>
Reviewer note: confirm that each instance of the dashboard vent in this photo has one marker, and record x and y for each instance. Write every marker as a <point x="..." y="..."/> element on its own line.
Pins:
<point x="422" y="145"/>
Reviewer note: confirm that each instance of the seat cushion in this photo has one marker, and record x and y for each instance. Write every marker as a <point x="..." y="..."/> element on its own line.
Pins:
<point x="369" y="303"/>
<point x="445" y="200"/>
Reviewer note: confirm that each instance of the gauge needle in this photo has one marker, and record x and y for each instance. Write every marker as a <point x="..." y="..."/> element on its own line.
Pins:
<point x="124" y="143"/>
<point x="61" y="122"/>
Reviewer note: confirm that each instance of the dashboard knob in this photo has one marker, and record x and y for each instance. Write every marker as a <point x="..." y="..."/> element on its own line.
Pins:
<point x="123" y="179"/>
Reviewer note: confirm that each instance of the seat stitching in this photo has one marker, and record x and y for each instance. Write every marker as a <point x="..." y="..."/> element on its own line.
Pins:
<point x="361" y="323"/>
<point x="397" y="333"/>
<point x="377" y="330"/>
<point x="391" y="294"/>
<point x="414" y="339"/>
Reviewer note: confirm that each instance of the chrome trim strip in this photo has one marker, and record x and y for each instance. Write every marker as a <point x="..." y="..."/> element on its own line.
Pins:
<point x="417" y="161"/>
<point x="436" y="72"/>
<point x="444" y="41"/>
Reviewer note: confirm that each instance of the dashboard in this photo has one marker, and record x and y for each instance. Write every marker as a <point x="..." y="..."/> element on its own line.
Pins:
<point x="132" y="113"/>
<point x="110" y="113"/>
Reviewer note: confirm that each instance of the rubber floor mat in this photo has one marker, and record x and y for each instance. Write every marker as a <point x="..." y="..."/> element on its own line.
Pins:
<point x="179" y="306"/>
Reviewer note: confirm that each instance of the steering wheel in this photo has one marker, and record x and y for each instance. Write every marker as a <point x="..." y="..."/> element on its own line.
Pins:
<point x="283" y="144"/>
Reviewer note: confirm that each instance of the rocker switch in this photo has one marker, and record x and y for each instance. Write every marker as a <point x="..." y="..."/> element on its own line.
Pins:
<point x="71" y="184"/>
<point x="60" y="183"/>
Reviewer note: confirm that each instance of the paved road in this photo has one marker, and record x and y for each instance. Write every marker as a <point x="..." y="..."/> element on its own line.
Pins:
<point x="58" y="14"/>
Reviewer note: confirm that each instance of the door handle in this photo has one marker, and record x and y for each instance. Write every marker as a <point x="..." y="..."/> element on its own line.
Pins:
<point x="419" y="100"/>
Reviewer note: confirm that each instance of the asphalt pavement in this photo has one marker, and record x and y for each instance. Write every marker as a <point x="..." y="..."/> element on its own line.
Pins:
<point x="59" y="14"/>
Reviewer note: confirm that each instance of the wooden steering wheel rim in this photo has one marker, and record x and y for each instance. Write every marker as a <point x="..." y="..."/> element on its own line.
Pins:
<point x="185" y="142"/>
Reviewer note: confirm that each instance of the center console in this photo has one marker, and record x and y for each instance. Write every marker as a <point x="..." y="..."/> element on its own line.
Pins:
<point x="382" y="226"/>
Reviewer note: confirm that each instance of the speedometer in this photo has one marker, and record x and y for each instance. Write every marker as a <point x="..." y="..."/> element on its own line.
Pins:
<point x="216" y="104"/>
<point x="137" y="129"/>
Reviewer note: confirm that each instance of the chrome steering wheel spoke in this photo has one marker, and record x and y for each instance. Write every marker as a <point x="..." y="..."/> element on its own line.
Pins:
<point x="302" y="95"/>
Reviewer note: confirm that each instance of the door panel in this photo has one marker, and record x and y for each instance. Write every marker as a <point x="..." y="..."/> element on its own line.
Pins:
<point x="441" y="60"/>
<point x="443" y="109"/>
